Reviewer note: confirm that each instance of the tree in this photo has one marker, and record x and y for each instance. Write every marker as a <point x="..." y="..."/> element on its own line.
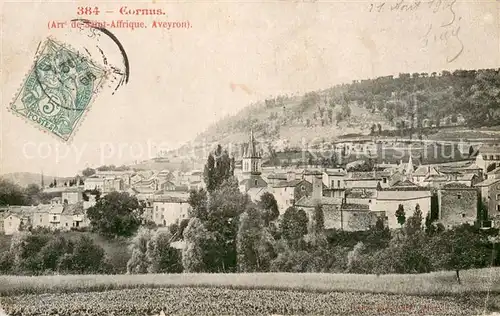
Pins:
<point x="195" y="237"/>
<point x="52" y="252"/>
<point x="116" y="214"/>
<point x="87" y="172"/>
<point x="459" y="248"/>
<point x="248" y="239"/>
<point x="294" y="224"/>
<point x="209" y="175"/>
<point x="219" y="168"/>
<point x="354" y="258"/>
<point x="162" y="257"/>
<point x="485" y="99"/>
<point x="269" y="206"/>
<point x="139" y="261"/>
<point x="198" y="200"/>
<point x="414" y="222"/>
<point x="34" y="195"/>
<point x="25" y="248"/>
<point x="401" y="215"/>
<point x="87" y="257"/>
<point x="317" y="220"/>
<point x="224" y="208"/>
<point x="10" y="193"/>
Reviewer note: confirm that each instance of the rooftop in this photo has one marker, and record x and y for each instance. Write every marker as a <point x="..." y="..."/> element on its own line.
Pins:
<point x="355" y="207"/>
<point x="288" y="184"/>
<point x="457" y="185"/>
<point x="308" y="201"/>
<point x="487" y="182"/>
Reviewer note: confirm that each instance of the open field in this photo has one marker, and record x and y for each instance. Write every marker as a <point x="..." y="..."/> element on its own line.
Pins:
<point x="436" y="283"/>
<point x="220" y="301"/>
<point x="253" y="294"/>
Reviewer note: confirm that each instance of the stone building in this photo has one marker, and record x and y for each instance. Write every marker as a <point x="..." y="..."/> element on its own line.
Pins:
<point x="490" y="195"/>
<point x="287" y="193"/>
<point x="457" y="204"/>
<point x="389" y="199"/>
<point x="167" y="210"/>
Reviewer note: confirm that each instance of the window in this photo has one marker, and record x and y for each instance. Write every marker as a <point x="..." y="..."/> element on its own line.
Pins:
<point x="157" y="208"/>
<point x="163" y="216"/>
<point x="459" y="196"/>
<point x="369" y="201"/>
<point x="498" y="208"/>
<point x="384" y="180"/>
<point x="66" y="224"/>
<point x="338" y="183"/>
<point x="498" y="197"/>
<point x="54" y="217"/>
<point x="303" y="188"/>
<point x="255" y="182"/>
<point x="333" y="183"/>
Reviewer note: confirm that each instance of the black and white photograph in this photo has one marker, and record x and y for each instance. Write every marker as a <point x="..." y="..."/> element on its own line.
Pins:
<point x="244" y="157"/>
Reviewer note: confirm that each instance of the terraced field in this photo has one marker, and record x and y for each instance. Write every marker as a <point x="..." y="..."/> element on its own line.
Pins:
<point x="219" y="301"/>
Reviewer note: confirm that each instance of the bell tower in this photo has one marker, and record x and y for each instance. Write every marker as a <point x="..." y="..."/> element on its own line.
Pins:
<point x="251" y="163"/>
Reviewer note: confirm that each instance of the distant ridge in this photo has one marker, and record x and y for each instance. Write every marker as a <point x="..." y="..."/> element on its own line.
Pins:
<point x="26" y="178"/>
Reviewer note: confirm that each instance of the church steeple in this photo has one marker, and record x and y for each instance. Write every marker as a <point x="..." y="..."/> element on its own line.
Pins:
<point x="251" y="157"/>
<point x="251" y="150"/>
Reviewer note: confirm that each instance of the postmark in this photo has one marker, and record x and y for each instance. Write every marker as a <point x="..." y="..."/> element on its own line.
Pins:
<point x="59" y="89"/>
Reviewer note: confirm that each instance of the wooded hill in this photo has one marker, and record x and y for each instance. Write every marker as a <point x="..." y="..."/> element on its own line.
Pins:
<point x="406" y="102"/>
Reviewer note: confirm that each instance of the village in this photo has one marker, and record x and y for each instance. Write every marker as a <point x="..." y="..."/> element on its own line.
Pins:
<point x="459" y="189"/>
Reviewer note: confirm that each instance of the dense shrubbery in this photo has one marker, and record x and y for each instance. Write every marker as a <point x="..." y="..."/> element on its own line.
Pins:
<point x="42" y="252"/>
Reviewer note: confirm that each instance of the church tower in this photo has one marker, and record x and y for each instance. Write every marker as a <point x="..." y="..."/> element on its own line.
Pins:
<point x="251" y="167"/>
<point x="251" y="163"/>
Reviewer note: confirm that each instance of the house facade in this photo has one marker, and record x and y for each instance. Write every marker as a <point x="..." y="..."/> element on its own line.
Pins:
<point x="167" y="210"/>
<point x="388" y="201"/>
<point x="287" y="193"/>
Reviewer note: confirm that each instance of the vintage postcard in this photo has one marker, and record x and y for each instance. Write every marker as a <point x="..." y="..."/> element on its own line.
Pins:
<point x="281" y="157"/>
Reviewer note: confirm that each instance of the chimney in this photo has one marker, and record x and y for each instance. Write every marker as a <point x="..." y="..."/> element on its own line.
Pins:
<point x="317" y="183"/>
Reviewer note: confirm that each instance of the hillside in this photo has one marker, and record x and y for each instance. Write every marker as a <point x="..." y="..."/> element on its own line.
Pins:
<point x="420" y="102"/>
<point x="23" y="179"/>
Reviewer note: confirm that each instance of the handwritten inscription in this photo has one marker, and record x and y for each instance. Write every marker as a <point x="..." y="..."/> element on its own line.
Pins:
<point x="449" y="35"/>
<point x="445" y="31"/>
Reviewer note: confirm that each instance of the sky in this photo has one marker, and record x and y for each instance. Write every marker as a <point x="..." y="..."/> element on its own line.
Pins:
<point x="182" y="80"/>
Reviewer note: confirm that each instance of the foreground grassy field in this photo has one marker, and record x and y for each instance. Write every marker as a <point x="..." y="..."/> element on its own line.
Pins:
<point x="220" y="301"/>
<point x="253" y="294"/>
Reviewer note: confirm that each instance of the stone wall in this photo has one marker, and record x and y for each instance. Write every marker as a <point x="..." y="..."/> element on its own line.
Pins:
<point x="458" y="206"/>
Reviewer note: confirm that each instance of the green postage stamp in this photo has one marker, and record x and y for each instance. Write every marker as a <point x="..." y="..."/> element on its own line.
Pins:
<point x="58" y="90"/>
